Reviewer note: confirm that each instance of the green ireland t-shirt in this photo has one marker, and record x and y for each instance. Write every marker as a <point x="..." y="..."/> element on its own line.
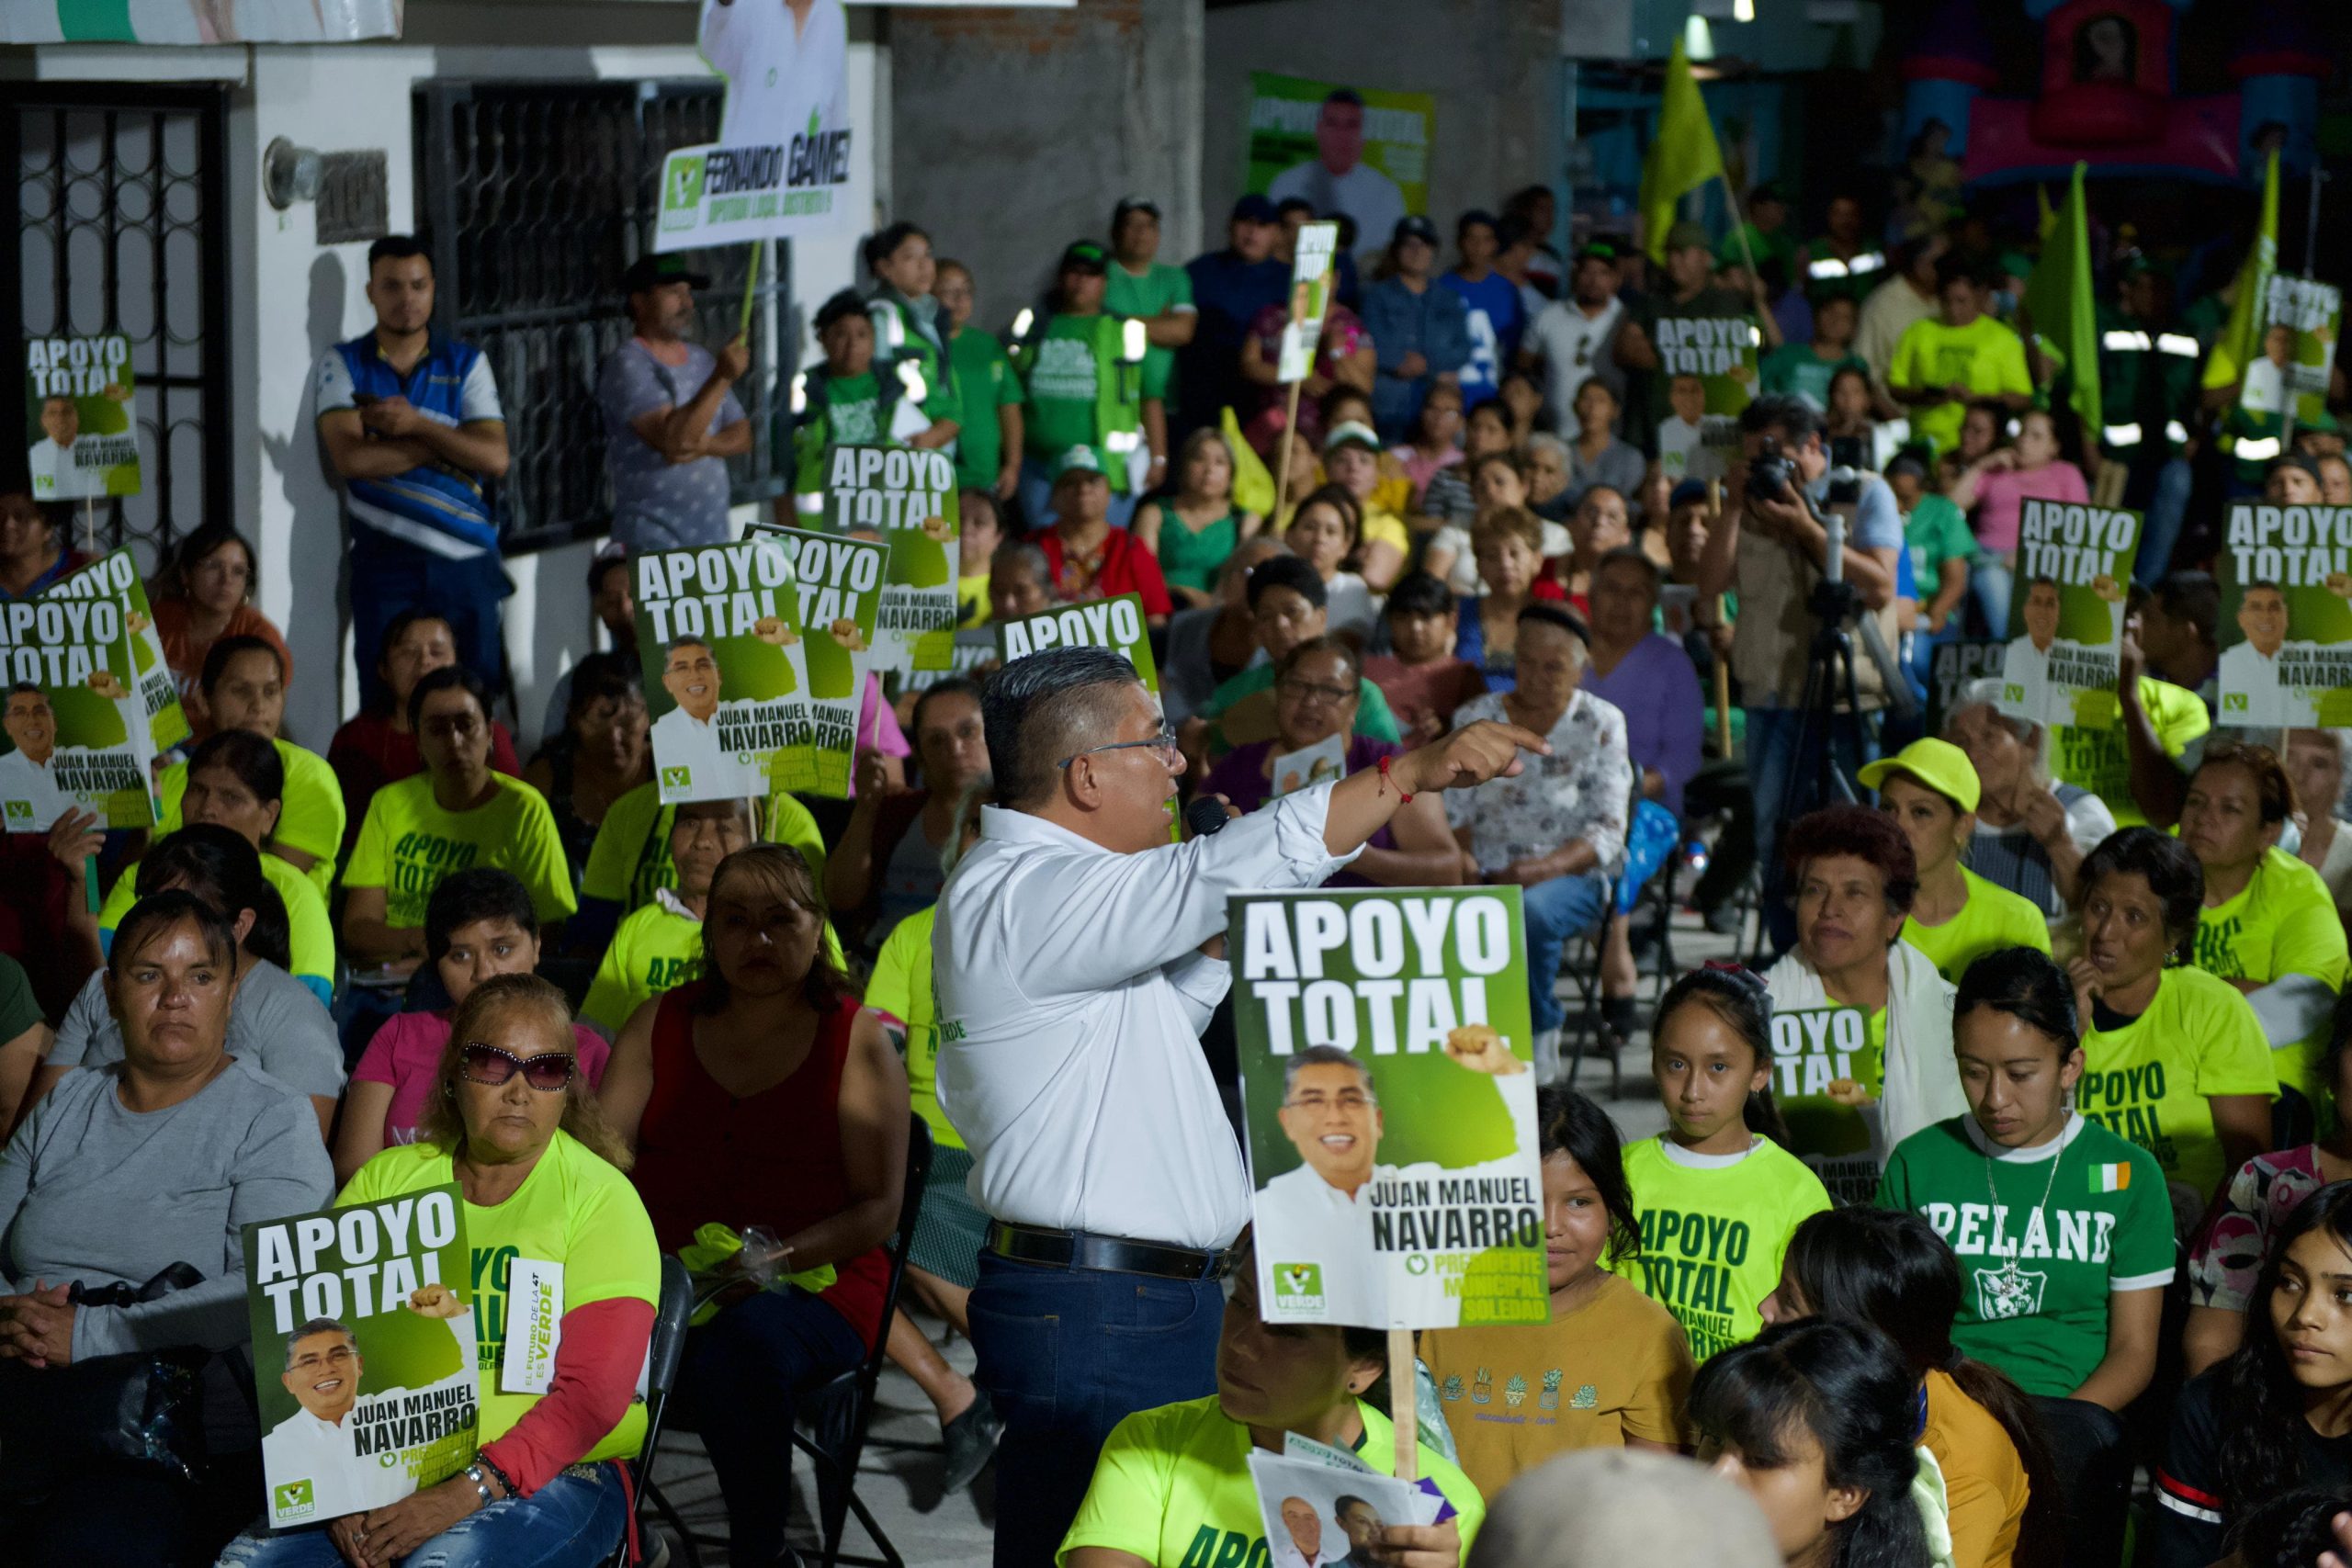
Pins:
<point x="408" y="843"/>
<point x="983" y="383"/>
<point x="1713" y="1229"/>
<point x="1992" y="918"/>
<point x="2281" y="926"/>
<point x="1935" y="533"/>
<point x="901" y="988"/>
<point x="1160" y="286"/>
<point x="2151" y="1081"/>
<point x="1172" y="1486"/>
<point x="2035" y="1274"/>
<point x="2096" y="760"/>
<point x="310" y="817"/>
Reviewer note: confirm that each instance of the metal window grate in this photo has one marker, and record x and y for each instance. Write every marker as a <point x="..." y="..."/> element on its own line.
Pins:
<point x="121" y="203"/>
<point x="534" y="197"/>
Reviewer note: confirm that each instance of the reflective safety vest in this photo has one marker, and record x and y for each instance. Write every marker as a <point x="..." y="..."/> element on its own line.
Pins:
<point x="2148" y="386"/>
<point x="1827" y="272"/>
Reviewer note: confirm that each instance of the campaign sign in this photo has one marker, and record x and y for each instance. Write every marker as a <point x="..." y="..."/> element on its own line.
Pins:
<point x="1955" y="665"/>
<point x="2286" y="631"/>
<point x="841" y="596"/>
<point x="781" y="166"/>
<point x="83" y="442"/>
<point x="1310" y="299"/>
<point x="78" y="721"/>
<point x="116" y="576"/>
<point x="1823" y="1068"/>
<point x="1709" y="364"/>
<point x="730" y="717"/>
<point x="1116" y="623"/>
<point x="364" y="1353"/>
<point x="1390" y="1104"/>
<point x="2299" y="320"/>
<point x="1346" y="149"/>
<point x="907" y="499"/>
<point x="2066" y="613"/>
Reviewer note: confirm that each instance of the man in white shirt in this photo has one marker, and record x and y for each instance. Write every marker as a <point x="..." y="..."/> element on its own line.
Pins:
<point x="1683" y="450"/>
<point x="1078" y="956"/>
<point x="2266" y="379"/>
<point x="687" y="736"/>
<point x="1572" y="336"/>
<point x="2251" y="668"/>
<point x="1337" y="179"/>
<point x="781" y="58"/>
<point x="324" y="1371"/>
<point x="29" y="797"/>
<point x="54" y="475"/>
<point x="1304" y="1527"/>
<point x="2025" y="663"/>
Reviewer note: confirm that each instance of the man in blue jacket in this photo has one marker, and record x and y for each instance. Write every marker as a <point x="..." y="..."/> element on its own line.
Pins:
<point x="1420" y="333"/>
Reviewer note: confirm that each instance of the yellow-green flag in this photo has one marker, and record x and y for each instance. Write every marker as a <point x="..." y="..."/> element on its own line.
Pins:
<point x="2059" y="299"/>
<point x="1684" y="156"/>
<point x="2240" y="342"/>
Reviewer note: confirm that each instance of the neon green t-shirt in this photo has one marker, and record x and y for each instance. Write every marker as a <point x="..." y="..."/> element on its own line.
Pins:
<point x="408" y="843"/>
<point x="309" y="934"/>
<point x="901" y="988"/>
<point x="309" y="819"/>
<point x="1713" y="1229"/>
<point x="573" y="1209"/>
<point x="2151" y="1080"/>
<point x="1992" y="918"/>
<point x="1160" y="286"/>
<point x="630" y="856"/>
<point x="1173" y="1488"/>
<point x="1986" y="356"/>
<point x="2283" y="924"/>
<point x="2106" y="1226"/>
<point x="2097" y="761"/>
<point x="653" y="949"/>
<point x="985" y="382"/>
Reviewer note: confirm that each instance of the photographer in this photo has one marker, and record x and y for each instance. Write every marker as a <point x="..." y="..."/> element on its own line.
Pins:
<point x="1769" y="547"/>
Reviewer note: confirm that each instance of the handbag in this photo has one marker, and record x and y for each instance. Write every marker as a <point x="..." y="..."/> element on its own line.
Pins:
<point x="144" y="1406"/>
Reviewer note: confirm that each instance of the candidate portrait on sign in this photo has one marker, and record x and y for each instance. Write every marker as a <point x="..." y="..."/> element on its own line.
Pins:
<point x="56" y="473"/>
<point x="28" y="784"/>
<point x="1338" y="180"/>
<point x="782" y="60"/>
<point x="689" y="736"/>
<point x="2252" y="667"/>
<point x="2025" y="663"/>
<point x="320" y="1443"/>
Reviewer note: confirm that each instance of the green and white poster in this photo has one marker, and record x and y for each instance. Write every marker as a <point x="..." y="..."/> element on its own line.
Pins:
<point x="1361" y="152"/>
<point x="781" y="167"/>
<point x="1823" y="1067"/>
<point x="714" y="624"/>
<point x="364" y="1353"/>
<point x="2066" y="613"/>
<point x="1098" y="623"/>
<point x="115" y="575"/>
<point x="1955" y="666"/>
<point x="1708" y="365"/>
<point x="2300" y="319"/>
<point x="2286" y="631"/>
<point x="840" y="581"/>
<point x="81" y="721"/>
<point x="82" y="443"/>
<point x="1310" y="299"/>
<point x="1389" y="1095"/>
<point x="907" y="499"/>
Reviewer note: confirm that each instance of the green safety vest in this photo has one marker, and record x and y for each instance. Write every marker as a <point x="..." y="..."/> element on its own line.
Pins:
<point x="2148" y="386"/>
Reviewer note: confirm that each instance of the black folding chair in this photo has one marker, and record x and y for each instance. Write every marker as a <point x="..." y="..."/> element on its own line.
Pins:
<point x="677" y="1305"/>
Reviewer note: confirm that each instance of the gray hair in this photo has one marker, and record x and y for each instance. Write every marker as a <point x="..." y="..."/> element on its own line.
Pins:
<point x="1045" y="708"/>
<point x="2343" y="739"/>
<point x="317" y="1326"/>
<point x="1600" y="1508"/>
<point x="1544" y="441"/>
<point x="1322" y="1056"/>
<point x="1023" y="559"/>
<point x="1985" y="692"/>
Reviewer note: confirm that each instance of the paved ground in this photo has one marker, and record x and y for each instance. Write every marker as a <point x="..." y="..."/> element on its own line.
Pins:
<point x="900" y="1477"/>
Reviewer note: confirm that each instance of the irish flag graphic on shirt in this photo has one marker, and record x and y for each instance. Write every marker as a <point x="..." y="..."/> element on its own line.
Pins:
<point x="2111" y="1177"/>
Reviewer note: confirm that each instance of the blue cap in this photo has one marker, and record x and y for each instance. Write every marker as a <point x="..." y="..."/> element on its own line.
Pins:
<point x="1254" y="208"/>
<point x="1690" y="492"/>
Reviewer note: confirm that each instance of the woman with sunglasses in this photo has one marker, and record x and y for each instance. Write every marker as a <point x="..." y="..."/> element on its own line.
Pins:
<point x="515" y="1124"/>
<point x="1316" y="687"/>
<point x="762" y="1094"/>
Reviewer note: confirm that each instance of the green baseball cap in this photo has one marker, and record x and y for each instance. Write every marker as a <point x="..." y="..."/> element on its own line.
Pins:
<point x="1939" y="764"/>
<point x="1078" y="460"/>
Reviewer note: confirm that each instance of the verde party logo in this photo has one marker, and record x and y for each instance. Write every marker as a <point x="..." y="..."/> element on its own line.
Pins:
<point x="1298" y="1286"/>
<point x="294" y="1500"/>
<point x="682" y="187"/>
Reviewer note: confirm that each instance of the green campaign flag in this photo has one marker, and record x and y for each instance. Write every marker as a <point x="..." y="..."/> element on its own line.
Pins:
<point x="364" y="1353"/>
<point x="2059" y="300"/>
<point x="2240" y="342"/>
<point x="1389" y="1099"/>
<point x="81" y="443"/>
<point x="87" y="739"/>
<point x="1684" y="156"/>
<point x="2286" y="631"/>
<point x="840" y="599"/>
<point x="907" y="499"/>
<point x="2066" y="615"/>
<point x="731" y="716"/>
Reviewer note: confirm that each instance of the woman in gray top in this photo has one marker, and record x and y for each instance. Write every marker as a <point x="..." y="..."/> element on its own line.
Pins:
<point x="159" y="1158"/>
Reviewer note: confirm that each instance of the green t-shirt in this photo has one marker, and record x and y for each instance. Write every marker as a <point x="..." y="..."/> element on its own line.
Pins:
<point x="983" y="383"/>
<point x="1073" y="382"/>
<point x="1160" y="286"/>
<point x="408" y="843"/>
<point x="1713" y="1229"/>
<point x="630" y="856"/>
<point x="1936" y="532"/>
<point x="1172" y="1487"/>
<point x="901" y="988"/>
<point x="2283" y="924"/>
<point x="2152" y="1080"/>
<point x="1985" y="357"/>
<point x="1779" y="245"/>
<point x="309" y="934"/>
<point x="846" y="408"/>
<point x="654" y="949"/>
<point x="573" y="1209"/>
<point x="2097" y="761"/>
<point x="1992" y="918"/>
<point x="309" y="817"/>
<point x="2107" y="1227"/>
<point x="19" y="1008"/>
<point x="1794" y="368"/>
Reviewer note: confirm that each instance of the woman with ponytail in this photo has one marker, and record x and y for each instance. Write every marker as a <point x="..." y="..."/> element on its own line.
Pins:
<point x="1817" y="1421"/>
<point x="1892" y="1272"/>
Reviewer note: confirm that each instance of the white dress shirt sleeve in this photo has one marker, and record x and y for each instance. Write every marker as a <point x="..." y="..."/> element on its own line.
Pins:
<point x="1200" y="982"/>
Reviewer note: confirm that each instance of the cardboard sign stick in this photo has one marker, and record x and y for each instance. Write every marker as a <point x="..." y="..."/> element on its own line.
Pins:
<point x="1723" y="666"/>
<point x="90" y="525"/>
<point x="1404" y="1386"/>
<point x="752" y="286"/>
<point x="1282" y="472"/>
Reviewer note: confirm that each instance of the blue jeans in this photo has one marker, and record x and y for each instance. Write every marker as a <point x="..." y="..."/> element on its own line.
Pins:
<point x="737" y="1385"/>
<point x="388" y="577"/>
<point x="1772" y="758"/>
<point x="1990" y="581"/>
<point x="1036" y="497"/>
<point x="1555" y="911"/>
<point x="2167" y="509"/>
<point x="571" y="1522"/>
<point x="1065" y="1354"/>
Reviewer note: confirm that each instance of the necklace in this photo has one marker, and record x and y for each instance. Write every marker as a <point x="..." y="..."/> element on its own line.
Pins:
<point x="2008" y="1280"/>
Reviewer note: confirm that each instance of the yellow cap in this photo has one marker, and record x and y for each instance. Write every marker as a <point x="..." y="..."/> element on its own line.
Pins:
<point x="1941" y="765"/>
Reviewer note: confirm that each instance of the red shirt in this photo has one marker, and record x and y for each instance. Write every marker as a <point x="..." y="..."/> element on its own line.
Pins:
<point x="186" y="655"/>
<point x="1123" y="566"/>
<point x="367" y="753"/>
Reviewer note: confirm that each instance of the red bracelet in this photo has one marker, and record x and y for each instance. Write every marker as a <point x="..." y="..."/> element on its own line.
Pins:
<point x="1385" y="779"/>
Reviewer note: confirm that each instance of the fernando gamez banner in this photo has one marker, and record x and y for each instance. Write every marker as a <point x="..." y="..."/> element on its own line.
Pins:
<point x="781" y="167"/>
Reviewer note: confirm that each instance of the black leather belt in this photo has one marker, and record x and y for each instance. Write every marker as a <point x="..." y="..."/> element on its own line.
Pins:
<point x="1107" y="1254"/>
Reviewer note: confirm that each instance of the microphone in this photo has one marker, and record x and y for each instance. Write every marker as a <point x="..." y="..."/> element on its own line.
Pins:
<point x="1205" y="817"/>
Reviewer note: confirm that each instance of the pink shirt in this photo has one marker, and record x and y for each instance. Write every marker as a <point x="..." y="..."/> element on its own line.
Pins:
<point x="406" y="1054"/>
<point x="2001" y="497"/>
<point x="888" y="738"/>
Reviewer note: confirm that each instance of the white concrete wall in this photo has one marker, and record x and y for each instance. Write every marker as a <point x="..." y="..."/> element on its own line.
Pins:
<point x="290" y="297"/>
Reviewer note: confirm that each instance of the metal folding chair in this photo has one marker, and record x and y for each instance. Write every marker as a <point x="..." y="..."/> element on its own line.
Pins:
<point x="669" y="1343"/>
